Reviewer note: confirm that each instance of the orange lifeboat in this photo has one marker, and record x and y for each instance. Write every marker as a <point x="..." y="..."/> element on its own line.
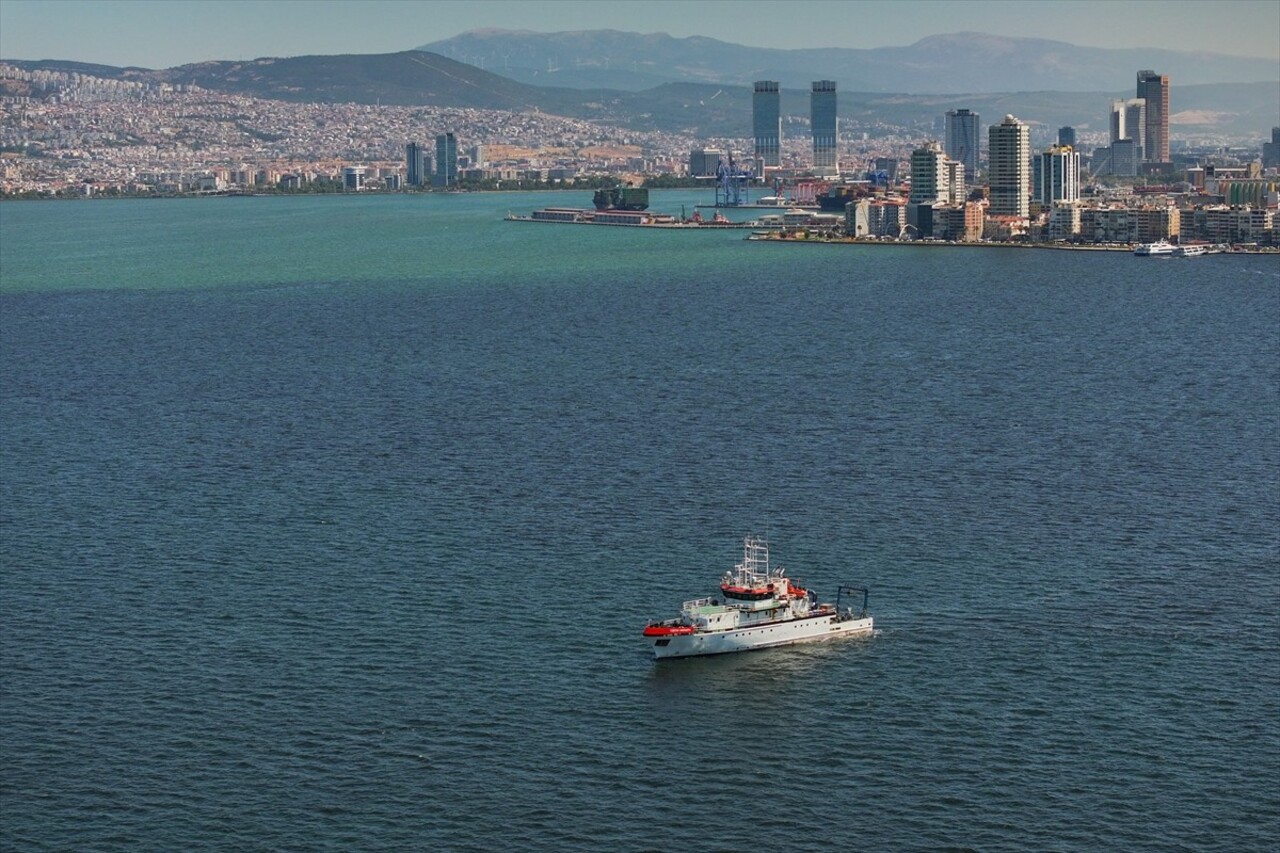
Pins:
<point x="745" y="593"/>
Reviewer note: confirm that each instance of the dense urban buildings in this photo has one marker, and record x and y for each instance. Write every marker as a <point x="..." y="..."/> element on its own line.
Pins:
<point x="766" y="124"/>
<point x="826" y="140"/>
<point x="962" y="140"/>
<point x="74" y="134"/>
<point x="1009" y="168"/>
<point x="1153" y="88"/>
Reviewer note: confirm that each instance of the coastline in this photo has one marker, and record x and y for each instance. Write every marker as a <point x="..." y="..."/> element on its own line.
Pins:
<point x="935" y="244"/>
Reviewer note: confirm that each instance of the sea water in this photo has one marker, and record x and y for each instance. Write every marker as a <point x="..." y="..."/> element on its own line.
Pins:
<point x="332" y="523"/>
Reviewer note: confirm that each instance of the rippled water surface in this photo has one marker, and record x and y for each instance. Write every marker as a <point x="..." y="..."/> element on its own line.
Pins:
<point x="331" y="523"/>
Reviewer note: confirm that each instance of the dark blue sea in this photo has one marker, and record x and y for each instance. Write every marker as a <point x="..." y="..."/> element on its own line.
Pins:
<point x="332" y="524"/>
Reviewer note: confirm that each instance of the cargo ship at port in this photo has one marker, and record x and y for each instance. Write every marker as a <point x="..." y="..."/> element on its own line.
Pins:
<point x="632" y="219"/>
<point x="768" y="202"/>
<point x="629" y="207"/>
<point x="621" y="198"/>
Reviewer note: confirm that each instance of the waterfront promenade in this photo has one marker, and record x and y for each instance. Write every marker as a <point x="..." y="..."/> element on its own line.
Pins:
<point x="780" y="237"/>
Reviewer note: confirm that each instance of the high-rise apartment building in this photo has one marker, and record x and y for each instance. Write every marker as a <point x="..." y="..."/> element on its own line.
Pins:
<point x="1058" y="176"/>
<point x="766" y="123"/>
<point x="417" y="170"/>
<point x="1135" y="124"/>
<point x="1271" y="150"/>
<point x="1129" y="122"/>
<point x="928" y="175"/>
<point x="935" y="178"/>
<point x="961" y="140"/>
<point x="822" y="119"/>
<point x="1009" y="167"/>
<point x="1154" y="89"/>
<point x="1115" y="120"/>
<point x="446" y="160"/>
<point x="703" y="162"/>
<point x="955" y="181"/>
<point x="353" y="178"/>
<point x="1126" y="157"/>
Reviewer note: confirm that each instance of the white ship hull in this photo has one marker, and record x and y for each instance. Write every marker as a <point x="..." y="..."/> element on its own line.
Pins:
<point x="804" y="630"/>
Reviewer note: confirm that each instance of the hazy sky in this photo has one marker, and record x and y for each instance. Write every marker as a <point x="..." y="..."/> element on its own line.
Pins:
<point x="163" y="33"/>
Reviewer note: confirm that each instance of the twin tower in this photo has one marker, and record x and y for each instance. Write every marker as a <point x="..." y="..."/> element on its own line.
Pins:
<point x="766" y="124"/>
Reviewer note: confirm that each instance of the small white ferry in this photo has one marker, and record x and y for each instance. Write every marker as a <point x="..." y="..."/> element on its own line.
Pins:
<point x="1189" y="251"/>
<point x="761" y="608"/>
<point x="1159" y="247"/>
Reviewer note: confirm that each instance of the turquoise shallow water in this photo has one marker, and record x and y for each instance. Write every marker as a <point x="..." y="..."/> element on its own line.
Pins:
<point x="331" y="523"/>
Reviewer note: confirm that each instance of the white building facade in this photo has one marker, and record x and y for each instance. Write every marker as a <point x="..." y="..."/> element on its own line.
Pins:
<point x="1058" y="176"/>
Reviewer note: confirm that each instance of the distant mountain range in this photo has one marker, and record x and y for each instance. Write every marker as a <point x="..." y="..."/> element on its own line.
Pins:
<point x="698" y="109"/>
<point x="959" y="62"/>
<point x="411" y="77"/>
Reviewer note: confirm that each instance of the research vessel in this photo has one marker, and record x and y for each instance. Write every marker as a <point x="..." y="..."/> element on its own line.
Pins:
<point x="760" y="608"/>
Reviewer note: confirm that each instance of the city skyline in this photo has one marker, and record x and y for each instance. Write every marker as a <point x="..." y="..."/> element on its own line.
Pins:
<point x="133" y="33"/>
